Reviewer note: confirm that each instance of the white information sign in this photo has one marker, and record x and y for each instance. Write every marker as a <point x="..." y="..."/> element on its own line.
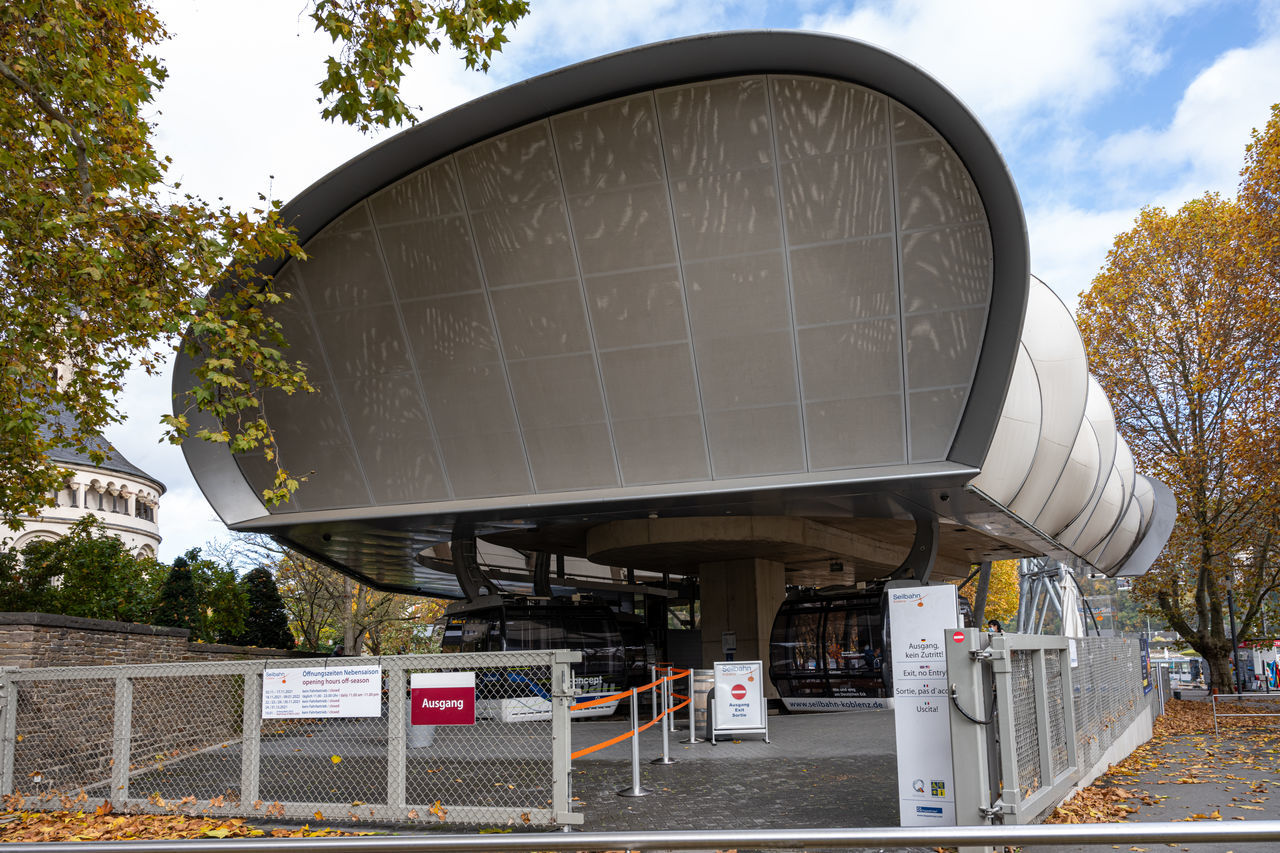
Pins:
<point x="335" y="691"/>
<point x="922" y="620"/>
<point x="739" y="704"/>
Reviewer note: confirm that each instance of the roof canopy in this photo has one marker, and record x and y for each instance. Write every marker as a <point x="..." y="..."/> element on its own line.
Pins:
<point x="756" y="273"/>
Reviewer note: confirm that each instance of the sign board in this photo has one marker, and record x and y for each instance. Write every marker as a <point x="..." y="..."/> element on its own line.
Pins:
<point x="335" y="691"/>
<point x="1146" y="665"/>
<point x="922" y="621"/>
<point x="442" y="699"/>
<point x="739" y="705"/>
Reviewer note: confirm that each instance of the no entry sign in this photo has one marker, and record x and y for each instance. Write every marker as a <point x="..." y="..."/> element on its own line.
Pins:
<point x="442" y="699"/>
<point x="957" y="636"/>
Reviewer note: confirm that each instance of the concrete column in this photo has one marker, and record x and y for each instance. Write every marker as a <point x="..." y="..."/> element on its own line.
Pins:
<point x="741" y="596"/>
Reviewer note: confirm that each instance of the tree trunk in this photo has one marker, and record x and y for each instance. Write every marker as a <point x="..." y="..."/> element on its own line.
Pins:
<point x="1220" y="675"/>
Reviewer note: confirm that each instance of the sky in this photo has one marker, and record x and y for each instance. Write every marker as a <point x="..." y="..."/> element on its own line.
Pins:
<point x="1100" y="108"/>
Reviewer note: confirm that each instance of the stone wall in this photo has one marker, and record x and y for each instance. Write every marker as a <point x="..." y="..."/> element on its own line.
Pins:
<point x="43" y="639"/>
<point x="64" y="728"/>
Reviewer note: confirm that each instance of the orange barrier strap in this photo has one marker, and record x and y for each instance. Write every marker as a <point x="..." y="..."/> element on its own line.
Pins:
<point x="648" y="724"/>
<point x="591" y="703"/>
<point x="649" y="686"/>
<point x="620" y="738"/>
<point x="590" y="749"/>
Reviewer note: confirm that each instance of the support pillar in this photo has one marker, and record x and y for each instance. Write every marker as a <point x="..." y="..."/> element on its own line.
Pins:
<point x="741" y="596"/>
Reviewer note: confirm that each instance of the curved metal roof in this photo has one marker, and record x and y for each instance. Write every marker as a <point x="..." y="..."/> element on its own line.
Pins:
<point x="764" y="273"/>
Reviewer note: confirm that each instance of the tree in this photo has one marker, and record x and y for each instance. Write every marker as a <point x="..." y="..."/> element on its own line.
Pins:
<point x="1182" y="331"/>
<point x="88" y="572"/>
<point x="327" y="609"/>
<point x="205" y="598"/>
<point x="1002" y="594"/>
<point x="179" y="604"/>
<point x="103" y="264"/>
<point x="266" y="624"/>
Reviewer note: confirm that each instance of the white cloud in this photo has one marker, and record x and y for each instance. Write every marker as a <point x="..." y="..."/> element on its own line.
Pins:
<point x="558" y="32"/>
<point x="1069" y="245"/>
<point x="1014" y="61"/>
<point x="1202" y="147"/>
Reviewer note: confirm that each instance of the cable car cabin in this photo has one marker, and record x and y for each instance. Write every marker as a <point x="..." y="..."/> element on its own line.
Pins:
<point x="826" y="651"/>
<point x="519" y="625"/>
<point x="829" y="649"/>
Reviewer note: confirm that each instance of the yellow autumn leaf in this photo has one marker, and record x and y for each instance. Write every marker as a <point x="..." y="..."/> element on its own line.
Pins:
<point x="336" y="759"/>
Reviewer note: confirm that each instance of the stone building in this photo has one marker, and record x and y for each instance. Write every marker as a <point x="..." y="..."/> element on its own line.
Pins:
<point x="123" y="496"/>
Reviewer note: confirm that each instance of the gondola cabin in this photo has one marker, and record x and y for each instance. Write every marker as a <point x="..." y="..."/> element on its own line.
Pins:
<point x="511" y="625"/>
<point x="830" y="649"/>
<point x="827" y="651"/>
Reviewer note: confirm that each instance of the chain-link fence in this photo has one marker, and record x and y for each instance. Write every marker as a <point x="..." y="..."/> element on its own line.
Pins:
<point x="191" y="737"/>
<point x="1060" y="705"/>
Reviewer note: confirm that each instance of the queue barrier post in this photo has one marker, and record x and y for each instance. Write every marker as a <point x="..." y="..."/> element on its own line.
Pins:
<point x="693" y="730"/>
<point x="665" y="690"/>
<point x="635" y="790"/>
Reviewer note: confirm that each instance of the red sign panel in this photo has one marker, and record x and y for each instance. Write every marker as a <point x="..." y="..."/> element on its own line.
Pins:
<point x="958" y="636"/>
<point x="443" y="706"/>
<point x="442" y="698"/>
<point x="738" y="692"/>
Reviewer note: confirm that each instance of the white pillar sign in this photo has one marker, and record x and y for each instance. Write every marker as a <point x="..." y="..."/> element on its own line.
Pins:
<point x="921" y="620"/>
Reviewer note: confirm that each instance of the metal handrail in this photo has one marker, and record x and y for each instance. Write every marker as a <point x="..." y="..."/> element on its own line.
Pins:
<point x="1181" y="834"/>
<point x="1216" y="696"/>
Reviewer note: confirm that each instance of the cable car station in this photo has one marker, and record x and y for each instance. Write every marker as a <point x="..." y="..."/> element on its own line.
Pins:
<point x="720" y="317"/>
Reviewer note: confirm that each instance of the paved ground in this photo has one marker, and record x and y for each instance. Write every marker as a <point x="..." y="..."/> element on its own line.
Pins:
<point x="832" y="770"/>
<point x="1233" y="776"/>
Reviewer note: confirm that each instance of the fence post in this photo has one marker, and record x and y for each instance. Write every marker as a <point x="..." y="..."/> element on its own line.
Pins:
<point x="396" y="723"/>
<point x="1002" y="673"/>
<point x="561" y="737"/>
<point x="1069" y="714"/>
<point x="120" y="740"/>
<point x="10" y="743"/>
<point x="251" y="736"/>
<point x="969" y="742"/>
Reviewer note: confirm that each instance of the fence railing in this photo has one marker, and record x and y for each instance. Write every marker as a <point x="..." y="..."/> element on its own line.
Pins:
<point x="1102" y="835"/>
<point x="191" y="737"/>
<point x="1229" y="705"/>
<point x="1034" y="715"/>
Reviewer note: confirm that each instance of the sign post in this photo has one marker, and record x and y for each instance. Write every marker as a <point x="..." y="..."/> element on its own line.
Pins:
<point x="738" y="706"/>
<point x="923" y="619"/>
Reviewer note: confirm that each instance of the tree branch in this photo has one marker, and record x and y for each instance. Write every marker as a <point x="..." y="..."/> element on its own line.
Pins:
<point x="82" y="150"/>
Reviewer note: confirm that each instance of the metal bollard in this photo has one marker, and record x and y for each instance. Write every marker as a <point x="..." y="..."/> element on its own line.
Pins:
<point x="693" y="730"/>
<point x="635" y="790"/>
<point x="653" y="676"/>
<point x="671" y="701"/>
<point x="666" y="736"/>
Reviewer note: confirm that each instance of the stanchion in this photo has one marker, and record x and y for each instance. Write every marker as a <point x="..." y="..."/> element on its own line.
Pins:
<point x="671" y="718"/>
<point x="666" y="703"/>
<point x="693" y="729"/>
<point x="635" y="790"/>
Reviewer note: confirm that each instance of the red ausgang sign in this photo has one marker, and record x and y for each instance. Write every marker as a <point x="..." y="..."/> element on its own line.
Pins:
<point x="442" y="699"/>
